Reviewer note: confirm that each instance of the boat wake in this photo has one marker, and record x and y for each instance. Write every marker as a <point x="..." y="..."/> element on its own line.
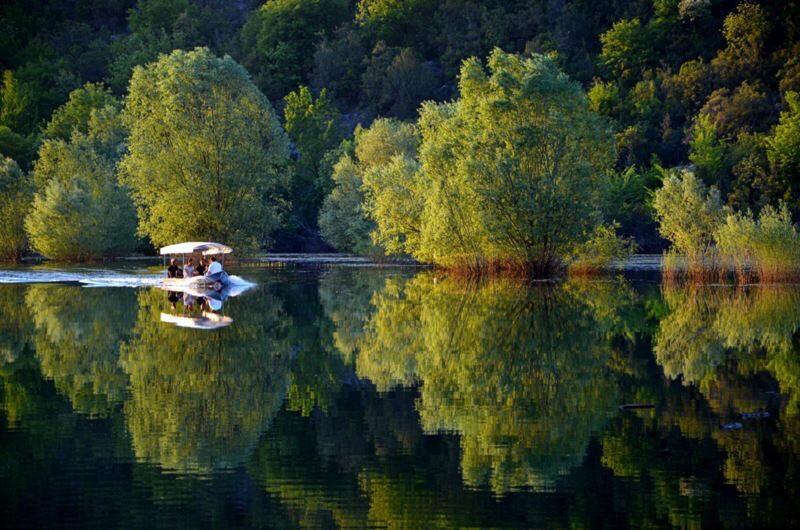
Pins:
<point x="87" y="277"/>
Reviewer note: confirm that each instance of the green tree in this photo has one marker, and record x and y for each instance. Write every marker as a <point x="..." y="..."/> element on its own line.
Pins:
<point x="311" y="124"/>
<point x="510" y="173"/>
<point x="746" y="31"/>
<point x="783" y="148"/>
<point x="74" y="115"/>
<point x="160" y="26"/>
<point x="625" y="48"/>
<point x="395" y="21"/>
<point x="707" y="152"/>
<point x="278" y="39"/>
<point x="80" y="211"/>
<point x="339" y="65"/>
<point x="207" y="157"/>
<point x="16" y="110"/>
<point x="18" y="139"/>
<point x="345" y="216"/>
<point x="746" y="109"/>
<point x="342" y="220"/>
<point x="396" y="81"/>
<point x="16" y="192"/>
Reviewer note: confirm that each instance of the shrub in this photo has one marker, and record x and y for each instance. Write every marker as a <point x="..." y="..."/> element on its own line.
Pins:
<point x="359" y="178"/>
<point x="600" y="251"/>
<point x="688" y="213"/>
<point x="80" y="211"/>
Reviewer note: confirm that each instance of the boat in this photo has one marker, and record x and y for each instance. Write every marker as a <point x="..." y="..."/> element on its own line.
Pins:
<point x="214" y="282"/>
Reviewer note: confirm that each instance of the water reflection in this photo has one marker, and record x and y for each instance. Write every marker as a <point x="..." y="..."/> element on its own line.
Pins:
<point x="77" y="338"/>
<point x="363" y="398"/>
<point x="199" y="402"/>
<point x="520" y="372"/>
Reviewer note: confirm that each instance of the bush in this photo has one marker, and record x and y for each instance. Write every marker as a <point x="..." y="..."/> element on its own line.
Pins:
<point x="78" y="220"/>
<point x="80" y="211"/>
<point x="688" y="213"/>
<point x="342" y="222"/>
<point x="600" y="252"/>
<point x="346" y="217"/>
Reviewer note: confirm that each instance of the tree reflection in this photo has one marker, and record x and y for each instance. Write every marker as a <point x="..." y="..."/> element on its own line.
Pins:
<point x="199" y="401"/>
<point x="77" y="339"/>
<point x="520" y="372"/>
<point x="751" y="329"/>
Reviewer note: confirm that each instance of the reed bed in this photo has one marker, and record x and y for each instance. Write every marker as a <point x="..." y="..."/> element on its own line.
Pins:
<point x="747" y="249"/>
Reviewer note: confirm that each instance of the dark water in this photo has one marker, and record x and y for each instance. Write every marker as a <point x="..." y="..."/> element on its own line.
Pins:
<point x="361" y="397"/>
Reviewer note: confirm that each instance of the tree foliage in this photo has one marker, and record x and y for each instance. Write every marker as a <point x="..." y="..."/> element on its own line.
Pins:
<point x="688" y="213"/>
<point x="508" y="173"/>
<point x="80" y="211"/>
<point x="16" y="191"/>
<point x="278" y="38"/>
<point x="311" y="124"/>
<point x="207" y="157"/>
<point x="74" y="115"/>
<point x="345" y="218"/>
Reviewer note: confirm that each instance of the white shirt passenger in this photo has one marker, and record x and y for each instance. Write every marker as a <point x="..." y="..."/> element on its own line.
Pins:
<point x="214" y="268"/>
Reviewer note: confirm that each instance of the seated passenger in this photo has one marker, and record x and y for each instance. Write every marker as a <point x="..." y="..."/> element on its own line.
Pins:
<point x="188" y="269"/>
<point x="200" y="270"/>
<point x="214" y="267"/>
<point x="173" y="271"/>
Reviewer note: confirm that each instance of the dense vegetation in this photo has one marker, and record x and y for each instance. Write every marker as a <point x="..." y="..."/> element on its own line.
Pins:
<point x="620" y="91"/>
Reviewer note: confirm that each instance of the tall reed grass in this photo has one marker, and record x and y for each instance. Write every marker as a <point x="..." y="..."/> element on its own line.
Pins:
<point x="766" y="247"/>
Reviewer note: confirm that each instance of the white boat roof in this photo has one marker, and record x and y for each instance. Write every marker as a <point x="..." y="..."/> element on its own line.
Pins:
<point x="207" y="321"/>
<point x="208" y="248"/>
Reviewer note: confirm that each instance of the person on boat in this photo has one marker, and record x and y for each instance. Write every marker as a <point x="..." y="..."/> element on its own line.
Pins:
<point x="188" y="269"/>
<point x="200" y="270"/>
<point x="173" y="271"/>
<point x="214" y="267"/>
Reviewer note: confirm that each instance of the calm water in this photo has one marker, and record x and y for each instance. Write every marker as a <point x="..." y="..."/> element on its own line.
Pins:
<point x="368" y="397"/>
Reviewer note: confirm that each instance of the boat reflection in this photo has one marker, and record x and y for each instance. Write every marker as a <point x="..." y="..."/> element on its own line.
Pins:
<point x="200" y="305"/>
<point x="206" y="320"/>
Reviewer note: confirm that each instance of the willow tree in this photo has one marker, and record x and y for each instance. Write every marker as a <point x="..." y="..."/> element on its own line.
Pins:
<point x="207" y="157"/>
<point x="80" y="211"/>
<point x="15" y="200"/>
<point x="509" y="173"/>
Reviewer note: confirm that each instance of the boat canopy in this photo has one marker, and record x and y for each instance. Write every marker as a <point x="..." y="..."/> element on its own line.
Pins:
<point x="208" y="248"/>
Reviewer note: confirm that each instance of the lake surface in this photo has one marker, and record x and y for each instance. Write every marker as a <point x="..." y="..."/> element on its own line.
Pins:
<point x="355" y="397"/>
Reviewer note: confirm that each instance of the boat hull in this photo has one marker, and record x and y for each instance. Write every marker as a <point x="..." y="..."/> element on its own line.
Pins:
<point x="216" y="281"/>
